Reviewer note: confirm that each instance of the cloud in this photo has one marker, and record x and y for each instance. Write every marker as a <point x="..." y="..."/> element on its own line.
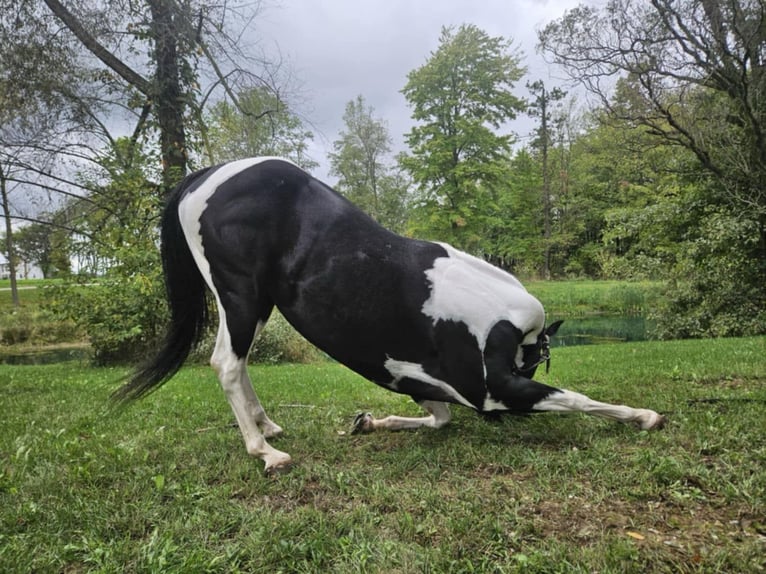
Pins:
<point x="343" y="48"/>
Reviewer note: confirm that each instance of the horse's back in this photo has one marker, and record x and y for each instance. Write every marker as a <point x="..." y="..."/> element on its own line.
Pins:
<point x="266" y="229"/>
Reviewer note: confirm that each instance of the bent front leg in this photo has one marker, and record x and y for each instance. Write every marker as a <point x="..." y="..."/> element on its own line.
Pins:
<point x="439" y="416"/>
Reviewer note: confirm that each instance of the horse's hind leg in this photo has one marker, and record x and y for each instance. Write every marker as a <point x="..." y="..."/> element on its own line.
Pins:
<point x="438" y="416"/>
<point x="236" y="332"/>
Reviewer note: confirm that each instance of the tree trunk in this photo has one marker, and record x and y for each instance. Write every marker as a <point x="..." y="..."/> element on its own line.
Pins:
<point x="546" y="185"/>
<point x="168" y="93"/>
<point x="164" y="91"/>
<point x="9" y="239"/>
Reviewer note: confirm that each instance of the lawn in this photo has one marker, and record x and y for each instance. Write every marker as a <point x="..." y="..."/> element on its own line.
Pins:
<point x="166" y="486"/>
<point x="586" y="297"/>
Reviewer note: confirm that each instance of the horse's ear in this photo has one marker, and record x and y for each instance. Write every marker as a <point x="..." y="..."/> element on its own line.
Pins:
<point x="553" y="328"/>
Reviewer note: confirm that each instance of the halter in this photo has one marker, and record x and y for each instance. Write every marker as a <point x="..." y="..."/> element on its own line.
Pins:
<point x="545" y="357"/>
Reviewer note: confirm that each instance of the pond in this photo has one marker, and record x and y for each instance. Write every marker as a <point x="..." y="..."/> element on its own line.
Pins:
<point x="45" y="356"/>
<point x="601" y="329"/>
<point x="574" y="331"/>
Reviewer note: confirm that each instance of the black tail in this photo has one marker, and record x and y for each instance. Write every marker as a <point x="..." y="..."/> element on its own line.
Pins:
<point x="187" y="298"/>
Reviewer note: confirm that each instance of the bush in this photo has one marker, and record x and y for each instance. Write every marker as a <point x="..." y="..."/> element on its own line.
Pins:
<point x="718" y="287"/>
<point x="122" y="314"/>
<point x="277" y="343"/>
<point x="25" y="327"/>
<point x="280" y="343"/>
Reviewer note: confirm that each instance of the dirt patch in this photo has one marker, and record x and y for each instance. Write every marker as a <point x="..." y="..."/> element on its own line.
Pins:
<point x="691" y="532"/>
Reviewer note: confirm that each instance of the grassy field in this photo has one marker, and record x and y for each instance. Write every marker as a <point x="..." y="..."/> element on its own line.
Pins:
<point x="588" y="297"/>
<point x="32" y="327"/>
<point x="167" y="486"/>
<point x="564" y="298"/>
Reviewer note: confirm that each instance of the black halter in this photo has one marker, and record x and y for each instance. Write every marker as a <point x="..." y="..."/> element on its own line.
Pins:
<point x="545" y="357"/>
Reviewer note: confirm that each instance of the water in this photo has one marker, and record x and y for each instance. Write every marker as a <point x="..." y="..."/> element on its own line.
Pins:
<point x="579" y="331"/>
<point x="45" y="356"/>
<point x="601" y="329"/>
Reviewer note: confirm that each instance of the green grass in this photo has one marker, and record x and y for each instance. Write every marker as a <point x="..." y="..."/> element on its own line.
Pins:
<point x="586" y="297"/>
<point x="167" y="486"/>
<point x="31" y="294"/>
<point x="33" y="326"/>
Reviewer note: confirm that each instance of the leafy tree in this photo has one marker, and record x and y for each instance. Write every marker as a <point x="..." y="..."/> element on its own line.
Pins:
<point x="181" y="38"/>
<point x="150" y="67"/>
<point x="124" y="311"/>
<point x="697" y="74"/>
<point x="39" y="115"/>
<point x="513" y="241"/>
<point x="359" y="160"/>
<point x="35" y="245"/>
<point x="259" y="125"/>
<point x="631" y="193"/>
<point x="461" y="97"/>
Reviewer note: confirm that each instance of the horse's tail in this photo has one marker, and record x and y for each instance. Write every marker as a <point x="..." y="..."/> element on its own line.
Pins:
<point x="187" y="299"/>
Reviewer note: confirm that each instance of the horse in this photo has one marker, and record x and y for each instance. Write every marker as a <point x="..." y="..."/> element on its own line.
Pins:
<point x="416" y="317"/>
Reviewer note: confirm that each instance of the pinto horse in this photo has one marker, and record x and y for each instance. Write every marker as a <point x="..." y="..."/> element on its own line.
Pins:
<point x="416" y="317"/>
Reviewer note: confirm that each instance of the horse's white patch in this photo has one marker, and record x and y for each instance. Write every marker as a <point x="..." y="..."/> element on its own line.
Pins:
<point x="491" y="404"/>
<point x="467" y="289"/>
<point x="403" y="369"/>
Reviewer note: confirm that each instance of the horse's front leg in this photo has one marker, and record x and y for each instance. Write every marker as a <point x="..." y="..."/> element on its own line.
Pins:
<point x="565" y="401"/>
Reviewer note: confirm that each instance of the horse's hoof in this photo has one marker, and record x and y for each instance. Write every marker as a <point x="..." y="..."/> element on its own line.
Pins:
<point x="279" y="469"/>
<point x="660" y="422"/>
<point x="652" y="421"/>
<point x="362" y="423"/>
<point x="277" y="462"/>
<point x="271" y="431"/>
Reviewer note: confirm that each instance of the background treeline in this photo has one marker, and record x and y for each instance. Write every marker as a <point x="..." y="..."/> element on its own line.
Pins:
<point x="664" y="177"/>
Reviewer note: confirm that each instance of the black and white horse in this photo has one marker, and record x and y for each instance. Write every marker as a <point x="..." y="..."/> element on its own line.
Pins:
<point x="415" y="317"/>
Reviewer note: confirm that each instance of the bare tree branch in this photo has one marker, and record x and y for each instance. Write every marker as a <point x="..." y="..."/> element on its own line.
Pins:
<point x="124" y="71"/>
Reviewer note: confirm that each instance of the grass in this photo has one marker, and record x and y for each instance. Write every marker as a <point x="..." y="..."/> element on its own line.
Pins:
<point x="166" y="486"/>
<point x="31" y="293"/>
<point x="31" y="327"/>
<point x="586" y="297"/>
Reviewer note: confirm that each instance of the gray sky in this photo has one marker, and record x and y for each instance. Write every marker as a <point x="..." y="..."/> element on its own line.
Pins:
<point x="338" y="49"/>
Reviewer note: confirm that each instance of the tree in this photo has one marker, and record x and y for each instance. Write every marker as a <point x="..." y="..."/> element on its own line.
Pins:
<point x="513" y="243"/>
<point x="260" y="124"/>
<point x="8" y="246"/>
<point x="540" y="106"/>
<point x="34" y="245"/>
<point x="75" y="75"/>
<point x="461" y="97"/>
<point x="697" y="74"/>
<point x="124" y="312"/>
<point x="359" y="161"/>
<point x="147" y="68"/>
<point x="39" y="114"/>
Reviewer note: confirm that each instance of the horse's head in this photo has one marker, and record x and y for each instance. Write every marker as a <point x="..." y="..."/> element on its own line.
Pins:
<point x="538" y="352"/>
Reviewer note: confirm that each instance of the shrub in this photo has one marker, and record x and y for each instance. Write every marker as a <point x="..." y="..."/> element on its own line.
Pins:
<point x="280" y="343"/>
<point x="718" y="285"/>
<point x="26" y="327"/>
<point x="122" y="314"/>
<point x="277" y="343"/>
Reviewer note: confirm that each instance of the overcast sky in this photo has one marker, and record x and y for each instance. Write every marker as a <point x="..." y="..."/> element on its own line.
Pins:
<point x="338" y="49"/>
